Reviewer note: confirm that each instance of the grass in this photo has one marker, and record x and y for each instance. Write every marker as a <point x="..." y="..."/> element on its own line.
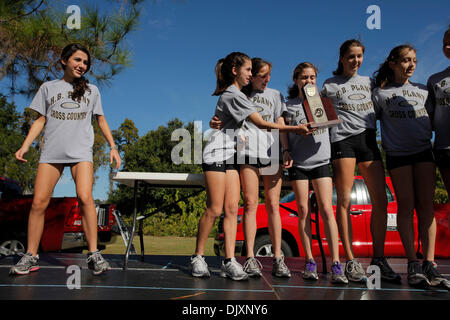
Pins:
<point x="179" y="246"/>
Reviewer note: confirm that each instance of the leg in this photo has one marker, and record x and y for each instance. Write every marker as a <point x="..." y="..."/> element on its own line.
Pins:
<point x="83" y="175"/>
<point x="250" y="188"/>
<point x="424" y="184"/>
<point x="232" y="197"/>
<point x="403" y="182"/>
<point x="301" y="190"/>
<point x="323" y="188"/>
<point x="272" y="189"/>
<point x="343" y="170"/>
<point x="46" y="178"/>
<point x="373" y="173"/>
<point x="215" y="192"/>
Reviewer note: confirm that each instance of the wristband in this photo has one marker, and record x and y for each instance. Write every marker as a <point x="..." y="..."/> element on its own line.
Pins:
<point x="286" y="150"/>
<point x="114" y="147"/>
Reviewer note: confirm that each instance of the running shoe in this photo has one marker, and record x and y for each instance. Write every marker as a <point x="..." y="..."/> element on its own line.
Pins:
<point x="354" y="271"/>
<point x="280" y="269"/>
<point x="386" y="271"/>
<point x="97" y="263"/>
<point x="416" y="277"/>
<point x="253" y="267"/>
<point x="199" y="267"/>
<point x="28" y="263"/>
<point x="434" y="277"/>
<point x="310" y="270"/>
<point x="337" y="276"/>
<point x="233" y="270"/>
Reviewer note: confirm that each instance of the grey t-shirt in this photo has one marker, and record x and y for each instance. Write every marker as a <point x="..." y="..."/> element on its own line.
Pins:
<point x="232" y="109"/>
<point x="405" y="125"/>
<point x="311" y="151"/>
<point x="352" y="100"/>
<point x="68" y="131"/>
<point x="438" y="107"/>
<point x="259" y="142"/>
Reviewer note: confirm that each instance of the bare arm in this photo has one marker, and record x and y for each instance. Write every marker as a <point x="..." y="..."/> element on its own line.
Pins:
<point x="302" y="129"/>
<point x="287" y="160"/>
<point x="34" y="132"/>
<point x="114" y="154"/>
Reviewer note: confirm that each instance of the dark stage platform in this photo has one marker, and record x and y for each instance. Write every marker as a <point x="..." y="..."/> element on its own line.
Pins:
<point x="168" y="278"/>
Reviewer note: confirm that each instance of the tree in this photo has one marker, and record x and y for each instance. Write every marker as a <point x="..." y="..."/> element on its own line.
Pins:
<point x="152" y="153"/>
<point x="32" y="36"/>
<point x="11" y="138"/>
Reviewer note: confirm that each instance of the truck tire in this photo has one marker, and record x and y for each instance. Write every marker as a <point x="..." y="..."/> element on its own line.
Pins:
<point x="263" y="247"/>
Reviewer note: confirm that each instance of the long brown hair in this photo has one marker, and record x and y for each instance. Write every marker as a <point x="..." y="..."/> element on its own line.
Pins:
<point x="293" y="91"/>
<point x="343" y="50"/>
<point x="224" y="70"/>
<point x="385" y="74"/>
<point x="80" y="85"/>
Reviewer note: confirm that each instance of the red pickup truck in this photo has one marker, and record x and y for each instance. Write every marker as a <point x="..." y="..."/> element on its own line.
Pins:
<point x="360" y="212"/>
<point x="62" y="230"/>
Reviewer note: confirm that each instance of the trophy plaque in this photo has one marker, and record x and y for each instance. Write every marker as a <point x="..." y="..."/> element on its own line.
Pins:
<point x="319" y="111"/>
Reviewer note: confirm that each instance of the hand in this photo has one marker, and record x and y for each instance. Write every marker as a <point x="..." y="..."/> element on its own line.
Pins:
<point x="287" y="160"/>
<point x="305" y="129"/>
<point x="20" y="153"/>
<point x="114" y="156"/>
<point x="216" y="123"/>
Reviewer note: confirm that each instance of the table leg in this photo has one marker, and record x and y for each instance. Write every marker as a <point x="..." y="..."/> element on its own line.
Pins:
<point x="130" y="240"/>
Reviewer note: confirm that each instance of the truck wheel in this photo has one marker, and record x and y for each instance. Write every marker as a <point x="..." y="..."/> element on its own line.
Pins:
<point x="11" y="247"/>
<point x="263" y="247"/>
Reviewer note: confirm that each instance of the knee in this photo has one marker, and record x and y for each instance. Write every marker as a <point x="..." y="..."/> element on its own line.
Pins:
<point x="273" y="207"/>
<point x="85" y="198"/>
<point x="302" y="211"/>
<point x="39" y="204"/>
<point x="251" y="205"/>
<point x="231" y="209"/>
<point x="327" y="215"/>
<point x="344" y="199"/>
<point x="213" y="212"/>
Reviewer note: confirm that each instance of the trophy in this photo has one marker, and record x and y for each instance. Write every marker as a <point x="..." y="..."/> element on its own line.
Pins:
<point x="319" y="111"/>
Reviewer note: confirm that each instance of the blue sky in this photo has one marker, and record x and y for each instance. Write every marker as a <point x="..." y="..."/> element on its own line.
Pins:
<point x="178" y="43"/>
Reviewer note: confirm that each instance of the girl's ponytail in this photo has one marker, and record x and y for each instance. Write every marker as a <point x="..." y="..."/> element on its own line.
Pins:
<point x="224" y="70"/>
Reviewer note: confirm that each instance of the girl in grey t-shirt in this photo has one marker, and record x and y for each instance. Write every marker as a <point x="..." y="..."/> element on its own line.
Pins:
<point x="65" y="109"/>
<point x="263" y="147"/>
<point x="406" y="134"/>
<point x="310" y="159"/>
<point x="240" y="103"/>
<point x="354" y="142"/>
<point x="438" y="107"/>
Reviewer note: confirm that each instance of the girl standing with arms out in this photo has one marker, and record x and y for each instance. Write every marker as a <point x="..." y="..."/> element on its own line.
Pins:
<point x="65" y="108"/>
<point x="354" y="142"/>
<point x="405" y="135"/>
<point x="233" y="107"/>
<point x="438" y="107"/>
<point x="311" y="162"/>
